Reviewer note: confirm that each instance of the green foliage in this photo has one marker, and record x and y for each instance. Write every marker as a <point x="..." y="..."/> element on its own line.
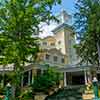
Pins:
<point x="47" y="80"/>
<point x="1" y="91"/>
<point x="87" y="24"/>
<point x="10" y="77"/>
<point x="0" y="78"/>
<point x="26" y="95"/>
<point x="19" y="22"/>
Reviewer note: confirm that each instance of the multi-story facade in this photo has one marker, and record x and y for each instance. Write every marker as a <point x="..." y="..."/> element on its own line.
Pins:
<point x="62" y="41"/>
<point x="58" y="51"/>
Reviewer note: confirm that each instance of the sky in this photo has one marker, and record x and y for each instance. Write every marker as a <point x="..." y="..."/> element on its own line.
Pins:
<point x="68" y="5"/>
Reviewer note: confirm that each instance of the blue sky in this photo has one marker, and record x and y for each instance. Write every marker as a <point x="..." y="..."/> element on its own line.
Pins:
<point x="68" y="5"/>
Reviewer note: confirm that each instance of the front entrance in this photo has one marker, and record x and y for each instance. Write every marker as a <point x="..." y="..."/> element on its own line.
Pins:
<point x="76" y="78"/>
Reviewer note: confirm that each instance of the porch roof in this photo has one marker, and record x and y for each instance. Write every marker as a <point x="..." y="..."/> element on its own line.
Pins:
<point x="76" y="68"/>
<point x="64" y="68"/>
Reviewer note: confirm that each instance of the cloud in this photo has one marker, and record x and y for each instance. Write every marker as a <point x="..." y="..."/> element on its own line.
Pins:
<point x="46" y="30"/>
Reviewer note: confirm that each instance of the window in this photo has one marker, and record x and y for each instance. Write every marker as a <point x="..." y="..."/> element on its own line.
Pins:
<point x="52" y="44"/>
<point x="44" y="43"/>
<point x="62" y="60"/>
<point x="55" y="58"/>
<point x="47" y="56"/>
<point x="59" y="42"/>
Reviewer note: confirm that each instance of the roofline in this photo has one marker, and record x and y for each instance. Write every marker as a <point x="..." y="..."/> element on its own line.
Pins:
<point x="49" y="37"/>
<point x="64" y="25"/>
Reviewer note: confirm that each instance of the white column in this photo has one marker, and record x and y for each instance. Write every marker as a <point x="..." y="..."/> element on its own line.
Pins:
<point x="42" y="71"/>
<point x="85" y="76"/>
<point x="32" y="77"/>
<point x="89" y="75"/>
<point x="65" y="81"/>
<point x="29" y="77"/>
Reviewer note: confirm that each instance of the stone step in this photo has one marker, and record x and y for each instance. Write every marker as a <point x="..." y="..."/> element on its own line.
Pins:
<point x="88" y="96"/>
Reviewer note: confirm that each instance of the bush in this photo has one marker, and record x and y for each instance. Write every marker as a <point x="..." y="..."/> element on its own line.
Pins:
<point x="47" y="80"/>
<point x="1" y="91"/>
<point x="27" y="96"/>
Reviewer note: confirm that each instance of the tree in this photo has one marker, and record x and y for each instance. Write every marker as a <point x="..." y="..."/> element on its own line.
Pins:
<point x="87" y="24"/>
<point x="19" y="22"/>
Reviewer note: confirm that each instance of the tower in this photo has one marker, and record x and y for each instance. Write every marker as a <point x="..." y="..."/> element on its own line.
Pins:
<point x="65" y="38"/>
<point x="64" y="17"/>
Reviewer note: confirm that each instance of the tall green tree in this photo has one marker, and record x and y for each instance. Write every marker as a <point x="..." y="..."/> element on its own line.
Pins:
<point x="87" y="24"/>
<point x="19" y="22"/>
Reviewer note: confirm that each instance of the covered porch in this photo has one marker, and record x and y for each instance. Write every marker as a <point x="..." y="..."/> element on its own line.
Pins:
<point x="78" y="75"/>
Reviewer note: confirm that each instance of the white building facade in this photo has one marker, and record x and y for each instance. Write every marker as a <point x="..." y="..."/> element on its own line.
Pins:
<point x="58" y="51"/>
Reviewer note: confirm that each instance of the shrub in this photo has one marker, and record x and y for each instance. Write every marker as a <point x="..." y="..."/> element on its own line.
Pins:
<point x="1" y="91"/>
<point x="47" y="80"/>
